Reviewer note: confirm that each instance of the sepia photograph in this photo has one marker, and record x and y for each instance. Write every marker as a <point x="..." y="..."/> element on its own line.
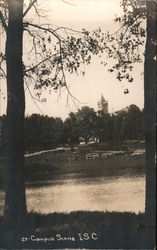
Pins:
<point x="77" y="124"/>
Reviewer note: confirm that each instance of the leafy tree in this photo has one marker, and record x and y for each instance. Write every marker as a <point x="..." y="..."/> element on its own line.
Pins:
<point x="134" y="123"/>
<point x="125" y="45"/>
<point x="87" y="121"/>
<point x="32" y="133"/>
<point x="71" y="130"/>
<point x="103" y="127"/>
<point x="119" y="127"/>
<point x="49" y="56"/>
<point x="129" y="123"/>
<point x="45" y="133"/>
<point x="150" y="111"/>
<point x="129" y="38"/>
<point x="57" y="132"/>
<point x="15" y="210"/>
<point x="42" y="132"/>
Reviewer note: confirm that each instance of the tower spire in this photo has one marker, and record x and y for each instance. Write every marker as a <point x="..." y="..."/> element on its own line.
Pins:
<point x="103" y="105"/>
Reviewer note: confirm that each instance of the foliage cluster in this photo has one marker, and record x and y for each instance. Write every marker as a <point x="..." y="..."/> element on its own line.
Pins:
<point x="51" y="54"/>
<point x="43" y="132"/>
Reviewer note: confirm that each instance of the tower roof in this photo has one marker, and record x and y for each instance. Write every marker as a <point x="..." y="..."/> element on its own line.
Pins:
<point x="102" y="99"/>
<point x="103" y="104"/>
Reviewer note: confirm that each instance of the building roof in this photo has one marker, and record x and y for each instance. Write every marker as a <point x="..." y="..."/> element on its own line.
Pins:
<point x="102" y="99"/>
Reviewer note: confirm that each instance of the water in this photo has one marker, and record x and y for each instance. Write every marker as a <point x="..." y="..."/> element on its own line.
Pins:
<point x="92" y="194"/>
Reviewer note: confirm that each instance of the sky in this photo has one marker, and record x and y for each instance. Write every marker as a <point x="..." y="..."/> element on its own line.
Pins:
<point x="89" y="14"/>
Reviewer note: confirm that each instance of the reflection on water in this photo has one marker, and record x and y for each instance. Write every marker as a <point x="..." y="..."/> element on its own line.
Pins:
<point x="121" y="194"/>
<point x="101" y="194"/>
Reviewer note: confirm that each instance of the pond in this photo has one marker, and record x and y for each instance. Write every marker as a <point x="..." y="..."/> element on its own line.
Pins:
<point x="92" y="194"/>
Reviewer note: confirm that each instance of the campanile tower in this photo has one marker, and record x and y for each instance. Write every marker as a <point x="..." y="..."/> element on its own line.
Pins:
<point x="103" y="105"/>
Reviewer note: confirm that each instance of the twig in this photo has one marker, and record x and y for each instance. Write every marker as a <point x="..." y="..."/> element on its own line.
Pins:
<point x="69" y="3"/>
<point x="29" y="7"/>
<point x="37" y="65"/>
<point x="45" y="29"/>
<point x="33" y="98"/>
<point x="66" y="28"/>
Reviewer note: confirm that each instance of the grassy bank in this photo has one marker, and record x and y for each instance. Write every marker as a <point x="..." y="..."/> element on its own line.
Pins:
<point x="55" y="165"/>
<point x="96" y="230"/>
<point x="52" y="165"/>
<point x="89" y="230"/>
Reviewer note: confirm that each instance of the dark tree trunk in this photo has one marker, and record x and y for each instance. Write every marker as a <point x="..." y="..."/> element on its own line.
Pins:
<point x="150" y="97"/>
<point x="86" y="140"/>
<point x="15" y="200"/>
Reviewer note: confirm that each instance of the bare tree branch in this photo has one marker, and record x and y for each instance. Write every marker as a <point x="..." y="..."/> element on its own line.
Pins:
<point x="33" y="98"/>
<point x="45" y="29"/>
<point x="73" y="98"/>
<point x="2" y="71"/>
<point x="29" y="7"/>
<point x="38" y="64"/>
<point x="71" y="4"/>
<point x="70" y="29"/>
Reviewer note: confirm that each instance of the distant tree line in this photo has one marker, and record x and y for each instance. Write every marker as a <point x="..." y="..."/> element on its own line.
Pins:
<point x="43" y="132"/>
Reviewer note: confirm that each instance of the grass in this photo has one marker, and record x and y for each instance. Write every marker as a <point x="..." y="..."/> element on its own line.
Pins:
<point x="52" y="165"/>
<point x="112" y="230"/>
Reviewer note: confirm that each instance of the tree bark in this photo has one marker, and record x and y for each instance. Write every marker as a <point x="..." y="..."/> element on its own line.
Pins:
<point x="149" y="110"/>
<point x="15" y="199"/>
